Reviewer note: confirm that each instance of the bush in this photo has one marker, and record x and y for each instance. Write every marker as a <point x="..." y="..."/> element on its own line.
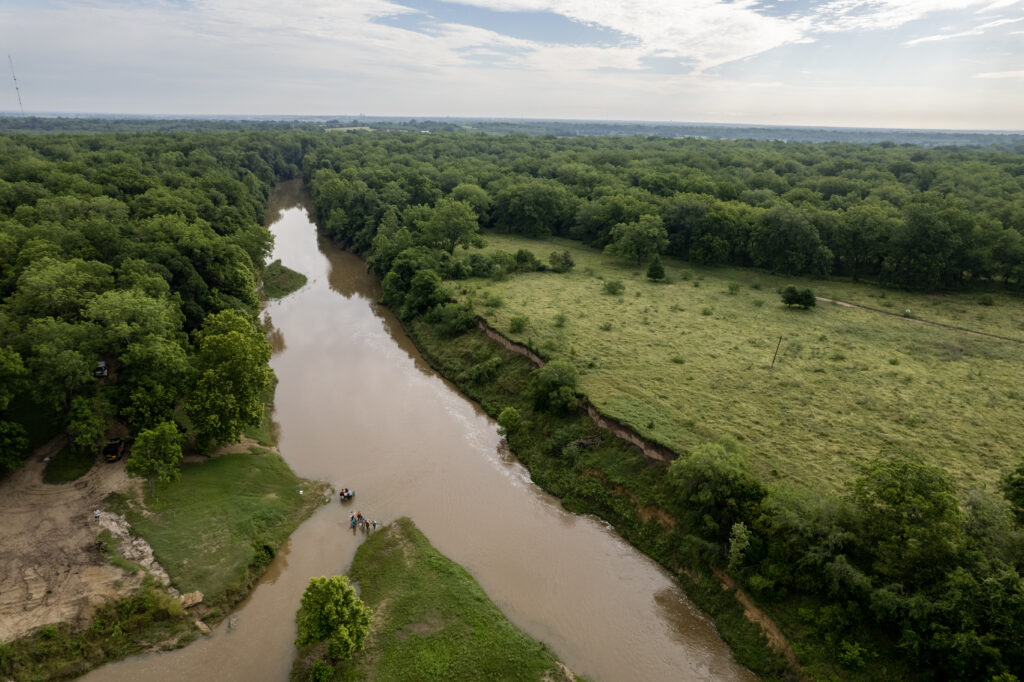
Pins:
<point x="508" y="421"/>
<point x="656" y="271"/>
<point x="734" y="288"/>
<point x="553" y="386"/>
<point x="561" y="319"/>
<point x="322" y="671"/>
<point x="802" y="297"/>
<point x="614" y="287"/>
<point x="561" y="262"/>
<point x="518" y="323"/>
<point x="452" y="319"/>
<point x="527" y="262"/>
<point x="986" y="299"/>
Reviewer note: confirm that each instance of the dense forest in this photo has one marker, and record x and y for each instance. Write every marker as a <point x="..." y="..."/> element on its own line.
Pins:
<point x="900" y="566"/>
<point x="142" y="253"/>
<point x="907" y="216"/>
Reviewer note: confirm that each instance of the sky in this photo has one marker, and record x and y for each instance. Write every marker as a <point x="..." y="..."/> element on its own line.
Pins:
<point x="868" y="63"/>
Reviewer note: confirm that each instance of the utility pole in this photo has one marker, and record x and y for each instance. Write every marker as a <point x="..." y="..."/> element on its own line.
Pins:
<point x="11" y="62"/>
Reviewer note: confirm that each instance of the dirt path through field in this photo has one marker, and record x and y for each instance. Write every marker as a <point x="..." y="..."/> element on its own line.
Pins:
<point x="51" y="570"/>
<point x="970" y="332"/>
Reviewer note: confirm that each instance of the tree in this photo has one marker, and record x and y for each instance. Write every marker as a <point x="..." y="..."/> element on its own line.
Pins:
<point x="425" y="292"/>
<point x="802" y="297"/>
<point x="12" y="375"/>
<point x="508" y="421"/>
<point x="639" y="240"/>
<point x="231" y="377"/>
<point x="911" y="524"/>
<point x="553" y="386"/>
<point x="87" y="422"/>
<point x="330" y="610"/>
<point x="717" y="488"/>
<point x="451" y="223"/>
<point x="656" y="271"/>
<point x="1012" y="485"/>
<point x="785" y="240"/>
<point x="13" y="444"/>
<point x="156" y="455"/>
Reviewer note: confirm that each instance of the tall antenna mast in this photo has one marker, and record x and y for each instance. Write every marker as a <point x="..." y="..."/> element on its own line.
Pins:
<point x="11" y="61"/>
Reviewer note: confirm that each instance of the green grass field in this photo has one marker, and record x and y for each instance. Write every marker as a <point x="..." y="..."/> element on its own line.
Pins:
<point x="432" y="621"/>
<point x="687" y="361"/>
<point x="214" y="530"/>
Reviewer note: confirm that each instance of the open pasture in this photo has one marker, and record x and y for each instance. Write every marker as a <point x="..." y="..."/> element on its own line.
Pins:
<point x="687" y="361"/>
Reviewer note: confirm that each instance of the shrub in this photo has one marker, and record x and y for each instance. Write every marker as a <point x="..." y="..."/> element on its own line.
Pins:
<point x="734" y="288"/>
<point x="614" y="287"/>
<point x="322" y="671"/>
<point x="987" y="299"/>
<point x="606" y="326"/>
<point x="553" y="386"/>
<point x="452" y="319"/>
<point x="518" y="323"/>
<point x="561" y="262"/>
<point x="508" y="421"/>
<point x="561" y="319"/>
<point x="706" y="311"/>
<point x="527" y="262"/>
<point x="802" y="297"/>
<point x="656" y="271"/>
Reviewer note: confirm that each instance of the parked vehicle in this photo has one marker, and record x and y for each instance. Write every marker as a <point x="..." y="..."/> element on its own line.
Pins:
<point x="115" y="449"/>
<point x="101" y="369"/>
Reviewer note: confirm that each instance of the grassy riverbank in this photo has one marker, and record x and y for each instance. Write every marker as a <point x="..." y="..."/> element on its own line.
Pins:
<point x="217" y="529"/>
<point x="689" y="361"/>
<point x="432" y="621"/>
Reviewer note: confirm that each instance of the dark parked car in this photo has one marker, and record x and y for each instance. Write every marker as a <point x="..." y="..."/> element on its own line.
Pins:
<point x="101" y="369"/>
<point x="115" y="449"/>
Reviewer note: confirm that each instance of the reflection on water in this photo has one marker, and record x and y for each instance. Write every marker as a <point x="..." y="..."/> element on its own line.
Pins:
<point x="358" y="407"/>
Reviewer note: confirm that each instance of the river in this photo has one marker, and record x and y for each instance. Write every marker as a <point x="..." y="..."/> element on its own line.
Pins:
<point x="357" y="406"/>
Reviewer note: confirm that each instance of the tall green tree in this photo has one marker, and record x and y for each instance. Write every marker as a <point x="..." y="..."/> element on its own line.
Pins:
<point x="156" y="455"/>
<point x="231" y="378"/>
<point x="331" y="611"/>
<point x="638" y="241"/>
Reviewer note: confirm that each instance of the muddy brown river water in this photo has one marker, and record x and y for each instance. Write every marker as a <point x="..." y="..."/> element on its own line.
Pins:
<point x="358" y="407"/>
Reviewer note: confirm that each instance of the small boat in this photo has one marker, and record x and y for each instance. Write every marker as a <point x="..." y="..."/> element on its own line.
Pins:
<point x="345" y="494"/>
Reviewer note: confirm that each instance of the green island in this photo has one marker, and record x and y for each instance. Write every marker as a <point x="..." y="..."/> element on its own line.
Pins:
<point x="851" y="472"/>
<point x="431" y="620"/>
<point x="280" y="280"/>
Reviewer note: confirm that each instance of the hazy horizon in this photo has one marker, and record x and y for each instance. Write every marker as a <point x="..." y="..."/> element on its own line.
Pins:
<point x="891" y="64"/>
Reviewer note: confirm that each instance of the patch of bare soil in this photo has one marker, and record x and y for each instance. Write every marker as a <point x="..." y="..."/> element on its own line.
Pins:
<point x="776" y="640"/>
<point x="51" y="569"/>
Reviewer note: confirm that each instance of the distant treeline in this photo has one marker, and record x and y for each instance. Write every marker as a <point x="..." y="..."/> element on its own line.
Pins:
<point x="710" y="131"/>
<point x="907" y="216"/>
<point x="1011" y="141"/>
<point x="143" y="252"/>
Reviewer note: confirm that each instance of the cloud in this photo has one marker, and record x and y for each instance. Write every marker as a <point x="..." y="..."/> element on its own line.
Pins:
<point x="1000" y="74"/>
<point x="976" y="31"/>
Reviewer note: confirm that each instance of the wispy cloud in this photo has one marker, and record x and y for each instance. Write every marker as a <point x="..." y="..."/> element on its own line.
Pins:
<point x="976" y="31"/>
<point x="1000" y="74"/>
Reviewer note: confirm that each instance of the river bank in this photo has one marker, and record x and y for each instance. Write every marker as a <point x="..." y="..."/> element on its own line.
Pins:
<point x="612" y="479"/>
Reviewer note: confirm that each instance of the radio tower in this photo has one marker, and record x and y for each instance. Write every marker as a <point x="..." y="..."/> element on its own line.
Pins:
<point x="20" y="105"/>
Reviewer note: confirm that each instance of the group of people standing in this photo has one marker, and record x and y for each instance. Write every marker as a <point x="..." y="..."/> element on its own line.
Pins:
<point x="360" y="522"/>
